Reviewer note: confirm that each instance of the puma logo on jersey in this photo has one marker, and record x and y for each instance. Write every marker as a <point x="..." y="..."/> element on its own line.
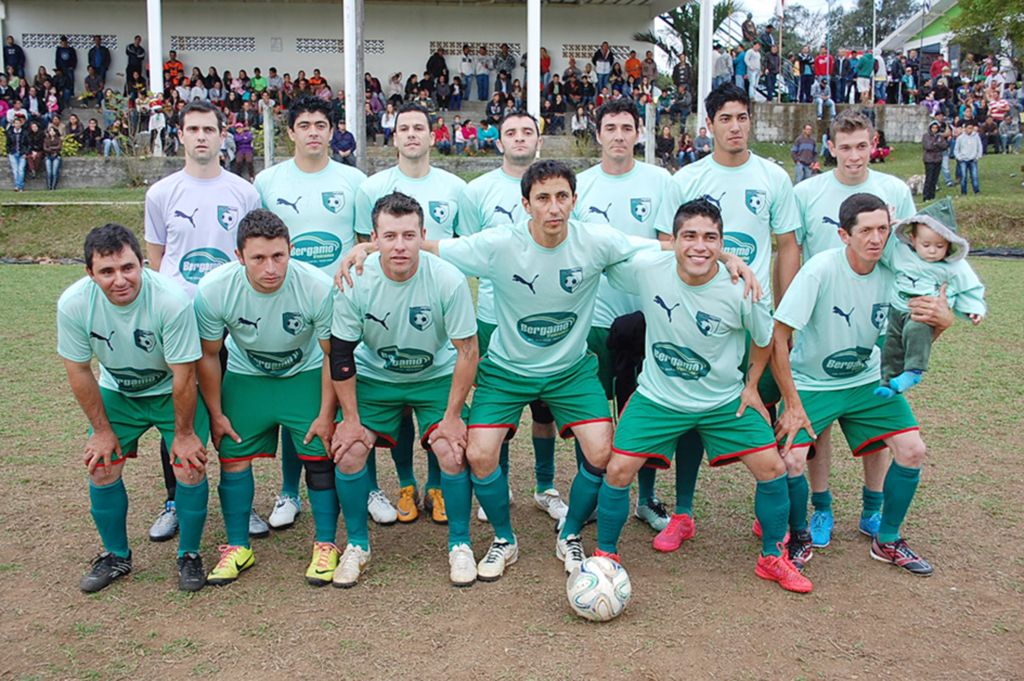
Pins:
<point x="245" y="322"/>
<point x="93" y="334"/>
<point x="595" y="209"/>
<point x="717" y="202"/>
<point x="499" y="209"/>
<point x="826" y="220"/>
<point x="844" y="315"/>
<point x="519" y="280"/>
<point x="190" y="218"/>
<point x="382" y="322"/>
<point x="913" y="281"/>
<point x="295" y="206"/>
<point x="666" y="308"/>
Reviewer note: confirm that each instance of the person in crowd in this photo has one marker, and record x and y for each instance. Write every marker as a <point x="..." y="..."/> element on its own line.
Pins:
<point x="343" y="145"/>
<point x="804" y="153"/>
<point x="934" y="145"/>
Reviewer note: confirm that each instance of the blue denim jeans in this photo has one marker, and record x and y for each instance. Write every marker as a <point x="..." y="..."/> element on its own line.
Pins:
<point x="803" y="172"/>
<point x="483" y="85"/>
<point x="18" y="163"/>
<point x="53" y="164"/>
<point x="969" y="168"/>
<point x="831" y="107"/>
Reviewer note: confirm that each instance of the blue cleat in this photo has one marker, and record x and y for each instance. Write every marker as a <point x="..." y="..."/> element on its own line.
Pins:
<point x="869" y="526"/>
<point x="821" y="529"/>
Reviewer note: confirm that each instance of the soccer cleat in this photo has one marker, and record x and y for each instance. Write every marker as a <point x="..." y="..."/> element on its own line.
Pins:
<point x="570" y="552"/>
<point x="869" y="526"/>
<point x="258" y="527"/>
<point x="680" y="528"/>
<point x="166" y="524"/>
<point x="822" y="523"/>
<point x="501" y="554"/>
<point x="481" y="514"/>
<point x="106" y="567"/>
<point x="900" y="555"/>
<point x="233" y="561"/>
<point x="800" y="549"/>
<point x="286" y="509"/>
<point x="191" y="575"/>
<point x="551" y="503"/>
<point x="780" y="569"/>
<point x="598" y="553"/>
<point x="756" y="529"/>
<point x="433" y="503"/>
<point x="351" y="565"/>
<point x="408" y="500"/>
<point x="321" y="568"/>
<point x="380" y="508"/>
<point x="463" y="566"/>
<point x="653" y="513"/>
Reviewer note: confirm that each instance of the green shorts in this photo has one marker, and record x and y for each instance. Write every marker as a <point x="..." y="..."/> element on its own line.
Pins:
<point x="575" y="396"/>
<point x="650" y="430"/>
<point x="597" y="343"/>
<point x="382" y="405"/>
<point x="538" y="410"/>
<point x="258" y="406"/>
<point x="866" y="418"/>
<point x="130" y="417"/>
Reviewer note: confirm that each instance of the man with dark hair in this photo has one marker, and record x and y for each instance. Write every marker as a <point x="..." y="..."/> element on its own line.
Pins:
<point x="66" y="61"/>
<point x="140" y="326"/>
<point x="603" y="61"/>
<point x="174" y="71"/>
<point x="99" y="57"/>
<point x="278" y="317"/>
<point x="14" y="57"/>
<point x="137" y="58"/>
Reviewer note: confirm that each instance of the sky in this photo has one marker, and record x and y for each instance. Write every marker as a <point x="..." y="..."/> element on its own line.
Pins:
<point x="764" y="9"/>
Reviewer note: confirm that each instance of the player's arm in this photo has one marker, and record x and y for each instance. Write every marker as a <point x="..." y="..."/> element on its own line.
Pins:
<point x="155" y="231"/>
<point x="452" y="428"/>
<point x="210" y="378"/>
<point x="323" y="424"/>
<point x="358" y="255"/>
<point x="187" y="446"/>
<point x="103" y="441"/>
<point x="793" y="418"/>
<point x="155" y="255"/>
<point x="787" y="261"/>
<point x="343" y="372"/>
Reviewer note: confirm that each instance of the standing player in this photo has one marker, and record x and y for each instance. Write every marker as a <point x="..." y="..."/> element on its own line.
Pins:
<point x="141" y="328"/>
<point x="191" y="220"/>
<point x="316" y="198"/>
<point x="413" y="313"/>
<point x="278" y="317"/>
<point x="492" y="200"/>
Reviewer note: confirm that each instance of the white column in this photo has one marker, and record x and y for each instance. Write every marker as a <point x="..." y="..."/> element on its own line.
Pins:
<point x="354" y="95"/>
<point x="706" y="68"/>
<point x="155" y="49"/>
<point x="533" y="57"/>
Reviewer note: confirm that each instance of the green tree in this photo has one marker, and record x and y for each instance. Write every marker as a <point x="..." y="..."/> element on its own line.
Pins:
<point x="801" y="26"/>
<point x="681" y="30"/>
<point x="853" y="28"/>
<point x="988" y="23"/>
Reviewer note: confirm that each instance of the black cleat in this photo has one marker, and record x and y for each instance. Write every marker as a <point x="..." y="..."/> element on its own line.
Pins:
<point x="106" y="567"/>
<point x="800" y="548"/>
<point x="191" y="575"/>
<point x="900" y="555"/>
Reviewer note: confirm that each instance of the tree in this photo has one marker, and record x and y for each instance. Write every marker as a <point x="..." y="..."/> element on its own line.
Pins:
<point x="853" y="28"/>
<point x="801" y="26"/>
<point x="681" y="30"/>
<point x="989" y="23"/>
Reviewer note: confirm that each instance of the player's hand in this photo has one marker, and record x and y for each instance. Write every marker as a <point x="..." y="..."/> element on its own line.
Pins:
<point x="932" y="310"/>
<point x="99" y="448"/>
<point x="455" y="433"/>
<point x="189" y="450"/>
<point x="323" y="428"/>
<point x="221" y="426"/>
<point x="348" y="434"/>
<point x="741" y="270"/>
<point x="975" y="318"/>
<point x="354" y="258"/>
<point x="790" y="423"/>
<point x="751" y="398"/>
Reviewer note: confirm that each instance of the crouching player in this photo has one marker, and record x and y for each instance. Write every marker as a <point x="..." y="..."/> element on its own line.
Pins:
<point x="697" y="325"/>
<point x="278" y="317"/>
<point x="140" y="326"/>
<point x="406" y="332"/>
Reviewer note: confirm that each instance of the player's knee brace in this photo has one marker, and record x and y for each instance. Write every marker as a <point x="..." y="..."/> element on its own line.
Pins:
<point x="592" y="469"/>
<point x="319" y="474"/>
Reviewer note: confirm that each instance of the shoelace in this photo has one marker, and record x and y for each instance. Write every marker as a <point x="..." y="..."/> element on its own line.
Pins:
<point x="323" y="550"/>
<point x="281" y="501"/>
<point x="657" y="507"/>
<point x="574" y="549"/>
<point x="819" y="521"/>
<point x="903" y="551"/>
<point x="350" y="559"/>
<point x="378" y="495"/>
<point x="113" y="561"/>
<point x="227" y="553"/>
<point x="496" y="552"/>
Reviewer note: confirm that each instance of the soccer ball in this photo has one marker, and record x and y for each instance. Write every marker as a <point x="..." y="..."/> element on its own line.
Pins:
<point x="598" y="589"/>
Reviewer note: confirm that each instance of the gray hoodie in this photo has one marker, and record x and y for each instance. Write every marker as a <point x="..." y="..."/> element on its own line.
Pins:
<point x="968" y="147"/>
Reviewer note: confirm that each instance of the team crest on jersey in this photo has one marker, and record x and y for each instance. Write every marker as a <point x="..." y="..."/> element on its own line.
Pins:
<point x="333" y="201"/>
<point x="421" y="317"/>
<point x="439" y="211"/>
<point x="640" y="209"/>
<point x="292" y="322"/>
<point x="145" y="340"/>
<point x="879" y="314"/>
<point x="570" y="279"/>
<point x="227" y="216"/>
<point x="708" y="324"/>
<point x="757" y="199"/>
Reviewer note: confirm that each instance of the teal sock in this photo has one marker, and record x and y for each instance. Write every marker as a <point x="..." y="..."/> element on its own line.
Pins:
<point x="110" y="511"/>
<point x="900" y="486"/>
<point x="503" y="459"/>
<point x="458" y="502"/>
<point x="612" y="513"/>
<point x="291" y="466"/>
<point x="371" y="470"/>
<point x="433" y="471"/>
<point x="905" y="381"/>
<point x="798" y="490"/>
<point x="822" y="501"/>
<point x="191" y="502"/>
<point x="544" y="462"/>
<point x="771" y="506"/>
<point x="325" y="507"/>
<point x="872" y="502"/>
<point x="689" y="457"/>
<point x="352" y="491"/>
<point x="582" y="501"/>
<point x="236" y="491"/>
<point x="401" y="453"/>
<point x="645" y="485"/>
<point x="492" y="492"/>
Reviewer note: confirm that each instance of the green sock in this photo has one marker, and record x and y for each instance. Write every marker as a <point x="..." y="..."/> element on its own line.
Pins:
<point x="291" y="466"/>
<point x="503" y="459"/>
<point x="582" y="501"/>
<point x="236" y="491"/>
<point x="492" y="493"/>
<point x="645" y="485"/>
<point x="324" y="504"/>
<point x="110" y="511"/>
<point x="543" y="462"/>
<point x="798" y="489"/>
<point x="612" y="513"/>
<point x="352" y="491"/>
<point x="191" y="504"/>
<point x="458" y="502"/>
<point x="771" y="506"/>
<point x="371" y="470"/>
<point x="689" y="457"/>
<point x="822" y="501"/>
<point x="872" y="502"/>
<point x="433" y="471"/>
<point x="900" y="486"/>
<point x="401" y="453"/>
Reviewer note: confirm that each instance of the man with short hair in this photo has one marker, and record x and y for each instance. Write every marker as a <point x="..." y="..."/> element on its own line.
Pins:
<point x="804" y="153"/>
<point x="136" y="58"/>
<point x="14" y="57"/>
<point x="18" y="148"/>
<point x="258" y="83"/>
<point x="174" y="71"/>
<point x="682" y="73"/>
<point x="865" y="73"/>
<point x="436" y="64"/>
<point x="702" y="144"/>
<point x="482" y="67"/>
<point x="274" y="82"/>
<point x="66" y="61"/>
<point x="633" y="66"/>
<point x="505" y="61"/>
<point x="140" y="326"/>
<point x="603" y="61"/>
<point x="754" y="68"/>
<point x="99" y="57"/>
<point x="467" y="71"/>
<point x="822" y="95"/>
<point x="649" y="68"/>
<point x="572" y="70"/>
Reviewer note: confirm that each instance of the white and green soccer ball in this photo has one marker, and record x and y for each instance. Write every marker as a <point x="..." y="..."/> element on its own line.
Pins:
<point x="598" y="589"/>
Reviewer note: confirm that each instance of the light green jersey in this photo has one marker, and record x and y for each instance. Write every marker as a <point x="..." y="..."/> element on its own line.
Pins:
<point x="491" y="200"/>
<point x="438" y="194"/>
<point x="820" y="197"/>
<point x="696" y="335"/>
<point x="405" y="327"/>
<point x="270" y="334"/>
<point x="136" y="343"/>
<point x="643" y="203"/>
<point x="756" y="200"/>
<point x="544" y="296"/>
<point x="840" y="315"/>
<point x="915" y="276"/>
<point x="319" y="209"/>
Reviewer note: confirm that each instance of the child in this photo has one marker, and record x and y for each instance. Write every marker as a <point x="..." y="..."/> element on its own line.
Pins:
<point x="931" y="255"/>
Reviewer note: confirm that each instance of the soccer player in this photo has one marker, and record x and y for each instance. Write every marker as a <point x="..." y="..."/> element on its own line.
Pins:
<point x="438" y="192"/>
<point x="699" y="325"/>
<point x="492" y="200"/>
<point x="638" y="199"/>
<point x="413" y="314"/>
<point x="278" y="317"/>
<point x="316" y="198"/>
<point x="140" y="326"/>
<point x="838" y="302"/>
<point x="191" y="220"/>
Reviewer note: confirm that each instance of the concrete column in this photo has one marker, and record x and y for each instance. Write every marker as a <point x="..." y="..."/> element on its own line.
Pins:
<point x="155" y="34"/>
<point x="355" y="95"/>
<point x="706" y="69"/>
<point x="533" y="82"/>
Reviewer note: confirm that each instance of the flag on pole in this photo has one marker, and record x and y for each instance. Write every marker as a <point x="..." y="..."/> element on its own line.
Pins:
<point x="780" y="6"/>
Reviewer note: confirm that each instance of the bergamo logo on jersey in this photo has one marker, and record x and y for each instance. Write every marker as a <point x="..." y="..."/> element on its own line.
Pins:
<point x="274" y="363"/>
<point x="741" y="245"/>
<point x="439" y="211"/>
<point x="293" y="323"/>
<point x="757" y="199"/>
<point x="708" y="324"/>
<point x="546" y="329"/>
<point x="195" y="265"/>
<point x="145" y="340"/>
<point x="879" y="315"/>
<point x="421" y="317"/>
<point x="405" y="360"/>
<point x="137" y="380"/>
<point x="227" y="216"/>
<point x="640" y="209"/>
<point x="678" y="362"/>
<point x="846" y="363"/>
<point x="319" y="249"/>
<point x="333" y="201"/>
<point x="570" y="279"/>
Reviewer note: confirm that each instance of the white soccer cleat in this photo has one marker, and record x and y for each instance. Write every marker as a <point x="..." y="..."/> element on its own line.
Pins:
<point x="258" y="527"/>
<point x="380" y="508"/>
<point x="501" y="554"/>
<point x="481" y="514"/>
<point x="351" y="565"/>
<point x="551" y="503"/>
<point x="570" y="552"/>
<point x="286" y="510"/>
<point x="463" y="565"/>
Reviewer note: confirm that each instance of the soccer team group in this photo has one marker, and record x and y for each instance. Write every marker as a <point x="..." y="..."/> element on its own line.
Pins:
<point x="327" y="309"/>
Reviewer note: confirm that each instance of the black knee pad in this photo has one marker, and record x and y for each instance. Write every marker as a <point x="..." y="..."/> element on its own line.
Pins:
<point x="319" y="474"/>
<point x="541" y="412"/>
<point x="592" y="469"/>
